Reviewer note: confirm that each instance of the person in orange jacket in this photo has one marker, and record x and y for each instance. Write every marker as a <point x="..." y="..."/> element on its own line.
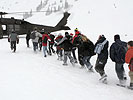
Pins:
<point x="129" y="60"/>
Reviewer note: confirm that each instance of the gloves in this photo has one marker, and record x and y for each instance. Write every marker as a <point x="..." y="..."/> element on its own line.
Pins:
<point x="17" y="41"/>
<point x="55" y="44"/>
<point x="8" y="40"/>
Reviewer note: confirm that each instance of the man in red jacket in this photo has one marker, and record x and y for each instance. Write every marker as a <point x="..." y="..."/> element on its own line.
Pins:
<point x="45" y="38"/>
<point x="129" y="60"/>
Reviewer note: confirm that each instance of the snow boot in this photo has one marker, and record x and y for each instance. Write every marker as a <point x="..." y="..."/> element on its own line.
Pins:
<point x="103" y="77"/>
<point x="65" y="64"/>
<point x="75" y="61"/>
<point x="89" y="69"/>
<point x="122" y="83"/>
<point x="82" y="66"/>
<point x="104" y="80"/>
<point x="73" y="64"/>
<point x="131" y="86"/>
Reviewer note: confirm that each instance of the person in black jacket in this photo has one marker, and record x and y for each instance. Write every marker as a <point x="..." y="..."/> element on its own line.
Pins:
<point x="117" y="55"/>
<point x="51" y="43"/>
<point x="102" y="58"/>
<point x="77" y="43"/>
<point x="67" y="46"/>
<point x="28" y="38"/>
<point x="86" y="51"/>
<point x="73" y="49"/>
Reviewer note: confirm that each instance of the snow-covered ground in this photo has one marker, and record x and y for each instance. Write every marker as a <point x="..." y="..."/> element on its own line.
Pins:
<point x="26" y="75"/>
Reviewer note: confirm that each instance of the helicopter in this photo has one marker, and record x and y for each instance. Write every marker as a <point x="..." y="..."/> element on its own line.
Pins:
<point x="21" y="27"/>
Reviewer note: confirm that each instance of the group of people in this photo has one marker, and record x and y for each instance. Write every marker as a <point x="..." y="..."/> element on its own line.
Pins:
<point x="120" y="51"/>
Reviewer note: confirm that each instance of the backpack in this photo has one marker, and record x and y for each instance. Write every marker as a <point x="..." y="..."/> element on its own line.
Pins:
<point x="92" y="47"/>
<point x="121" y="52"/>
<point x="131" y="65"/>
<point x="83" y="38"/>
<point x="33" y="35"/>
<point x="99" y="47"/>
<point x="45" y="39"/>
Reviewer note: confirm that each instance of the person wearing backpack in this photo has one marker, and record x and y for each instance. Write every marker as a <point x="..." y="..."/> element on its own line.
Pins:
<point x="45" y="39"/>
<point x="129" y="60"/>
<point x="67" y="46"/>
<point x="117" y="54"/>
<point x="74" y="47"/>
<point x="101" y="48"/>
<point x="28" y="38"/>
<point x="35" y="37"/>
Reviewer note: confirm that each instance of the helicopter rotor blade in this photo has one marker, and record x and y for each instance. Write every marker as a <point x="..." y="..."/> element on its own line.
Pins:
<point x="26" y="12"/>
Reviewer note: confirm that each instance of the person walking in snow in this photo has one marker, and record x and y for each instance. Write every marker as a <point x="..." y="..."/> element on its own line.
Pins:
<point x="129" y="60"/>
<point x="35" y="37"/>
<point x="51" y="44"/>
<point x="101" y="48"/>
<point x="117" y="55"/>
<point x="86" y="51"/>
<point x="45" y="39"/>
<point x="67" y="46"/>
<point x="40" y="40"/>
<point x="59" y="49"/>
<point x="73" y="49"/>
<point x="13" y="39"/>
<point x="28" y="38"/>
<point x="76" y="43"/>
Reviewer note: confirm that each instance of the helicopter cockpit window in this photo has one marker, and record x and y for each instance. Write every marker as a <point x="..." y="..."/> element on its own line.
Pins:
<point x="4" y="27"/>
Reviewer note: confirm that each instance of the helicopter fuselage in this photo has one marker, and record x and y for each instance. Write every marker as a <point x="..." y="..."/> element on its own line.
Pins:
<point x="7" y="25"/>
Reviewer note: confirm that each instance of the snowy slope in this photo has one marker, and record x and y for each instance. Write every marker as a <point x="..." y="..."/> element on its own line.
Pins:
<point x="25" y="75"/>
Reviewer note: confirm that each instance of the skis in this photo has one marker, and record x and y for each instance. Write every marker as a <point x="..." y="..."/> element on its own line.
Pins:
<point x="121" y="85"/>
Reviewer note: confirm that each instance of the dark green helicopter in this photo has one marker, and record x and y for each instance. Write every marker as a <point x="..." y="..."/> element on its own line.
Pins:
<point x="24" y="27"/>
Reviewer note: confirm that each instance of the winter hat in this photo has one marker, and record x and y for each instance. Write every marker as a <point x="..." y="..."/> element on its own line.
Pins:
<point x="116" y="37"/>
<point x="100" y="36"/>
<point x="130" y="43"/>
<point x="59" y="34"/>
<point x="76" y="29"/>
<point x="66" y="33"/>
<point x="35" y="28"/>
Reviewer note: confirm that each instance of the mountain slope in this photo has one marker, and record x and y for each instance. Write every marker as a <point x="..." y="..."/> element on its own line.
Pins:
<point x="25" y="75"/>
